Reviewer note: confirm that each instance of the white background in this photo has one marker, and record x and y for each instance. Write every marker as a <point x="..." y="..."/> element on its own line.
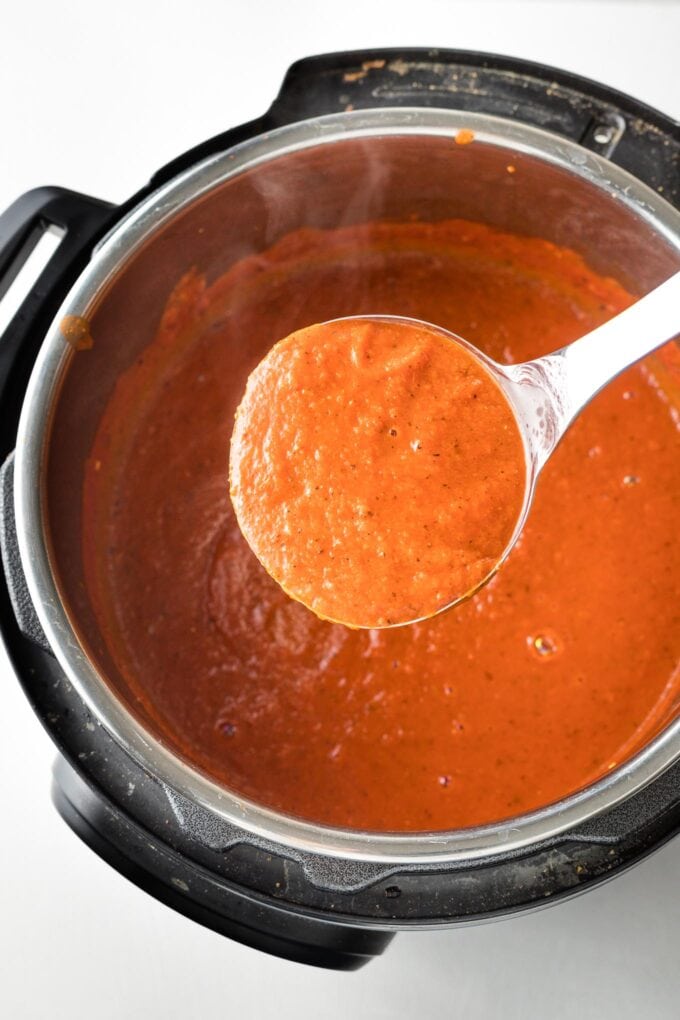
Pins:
<point x="95" y="97"/>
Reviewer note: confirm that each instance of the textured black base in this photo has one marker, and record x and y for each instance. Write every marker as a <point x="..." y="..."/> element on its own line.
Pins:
<point x="200" y="895"/>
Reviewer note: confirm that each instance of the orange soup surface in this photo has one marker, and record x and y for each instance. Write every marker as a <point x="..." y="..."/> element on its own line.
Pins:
<point x="377" y="470"/>
<point x="551" y="675"/>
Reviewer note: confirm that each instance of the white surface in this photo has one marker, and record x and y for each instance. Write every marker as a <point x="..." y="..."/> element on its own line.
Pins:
<point x="95" y="97"/>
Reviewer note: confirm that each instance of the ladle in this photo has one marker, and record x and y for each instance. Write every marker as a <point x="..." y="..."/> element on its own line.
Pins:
<point x="544" y="396"/>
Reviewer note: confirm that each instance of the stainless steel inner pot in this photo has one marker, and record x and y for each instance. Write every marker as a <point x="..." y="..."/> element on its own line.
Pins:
<point x="331" y="171"/>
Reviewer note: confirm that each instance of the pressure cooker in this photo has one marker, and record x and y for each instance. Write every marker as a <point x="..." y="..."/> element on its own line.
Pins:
<point x="601" y="175"/>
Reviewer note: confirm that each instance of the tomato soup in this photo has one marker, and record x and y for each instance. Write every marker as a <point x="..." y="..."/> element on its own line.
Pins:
<point x="377" y="470"/>
<point x="558" y="670"/>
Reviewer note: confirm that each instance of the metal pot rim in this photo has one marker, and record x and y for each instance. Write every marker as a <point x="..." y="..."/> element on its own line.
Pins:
<point x="108" y="259"/>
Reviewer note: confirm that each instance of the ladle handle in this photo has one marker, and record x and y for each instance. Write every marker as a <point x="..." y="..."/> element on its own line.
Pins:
<point x="549" y="392"/>
<point x="599" y="356"/>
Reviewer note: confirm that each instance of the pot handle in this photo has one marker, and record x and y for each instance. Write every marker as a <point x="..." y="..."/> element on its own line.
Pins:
<point x="82" y="220"/>
<point x="26" y="219"/>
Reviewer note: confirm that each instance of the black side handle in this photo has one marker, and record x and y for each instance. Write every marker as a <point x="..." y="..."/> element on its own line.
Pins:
<point x="84" y="221"/>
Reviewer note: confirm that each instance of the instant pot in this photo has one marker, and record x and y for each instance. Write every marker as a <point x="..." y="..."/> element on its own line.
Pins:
<point x="351" y="137"/>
